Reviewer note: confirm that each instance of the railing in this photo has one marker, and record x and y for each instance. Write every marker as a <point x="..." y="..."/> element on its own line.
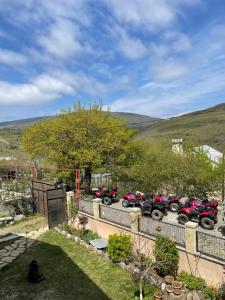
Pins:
<point x="86" y="206"/>
<point x="115" y="215"/>
<point x="154" y="228"/>
<point x="211" y="245"/>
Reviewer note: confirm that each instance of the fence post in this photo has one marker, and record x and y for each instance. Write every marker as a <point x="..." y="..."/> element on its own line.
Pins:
<point x="70" y="200"/>
<point x="96" y="207"/>
<point x="190" y="237"/>
<point x="220" y="216"/>
<point x="135" y="213"/>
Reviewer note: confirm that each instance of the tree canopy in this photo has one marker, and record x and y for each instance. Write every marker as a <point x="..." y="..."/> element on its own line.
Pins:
<point x="160" y="170"/>
<point x="84" y="138"/>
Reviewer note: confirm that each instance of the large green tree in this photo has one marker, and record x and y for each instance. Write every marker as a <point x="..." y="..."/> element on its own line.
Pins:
<point x="84" y="138"/>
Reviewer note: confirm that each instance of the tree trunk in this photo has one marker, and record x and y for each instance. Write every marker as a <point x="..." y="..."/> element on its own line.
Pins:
<point x="87" y="179"/>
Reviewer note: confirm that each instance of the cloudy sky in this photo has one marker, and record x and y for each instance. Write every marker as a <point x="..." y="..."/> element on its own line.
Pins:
<point x="155" y="57"/>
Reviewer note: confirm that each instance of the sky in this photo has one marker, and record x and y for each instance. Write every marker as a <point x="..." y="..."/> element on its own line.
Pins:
<point x="154" y="57"/>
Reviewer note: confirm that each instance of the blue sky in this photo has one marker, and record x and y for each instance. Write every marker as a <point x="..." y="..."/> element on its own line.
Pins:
<point x="155" y="57"/>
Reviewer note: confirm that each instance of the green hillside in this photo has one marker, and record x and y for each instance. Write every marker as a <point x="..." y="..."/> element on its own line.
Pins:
<point x="200" y="127"/>
<point x="11" y="131"/>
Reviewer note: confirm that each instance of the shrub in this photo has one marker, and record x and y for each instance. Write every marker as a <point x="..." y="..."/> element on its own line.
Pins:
<point x="72" y="230"/>
<point x="89" y="235"/>
<point x="119" y="247"/>
<point x="166" y="256"/>
<point x="86" y="235"/>
<point x="192" y="282"/>
<point x="209" y="293"/>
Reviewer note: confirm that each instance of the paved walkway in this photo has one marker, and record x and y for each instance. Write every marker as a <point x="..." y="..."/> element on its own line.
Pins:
<point x="12" y="251"/>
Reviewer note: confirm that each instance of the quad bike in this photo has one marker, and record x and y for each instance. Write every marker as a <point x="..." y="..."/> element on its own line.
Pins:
<point x="132" y="199"/>
<point x="107" y="196"/>
<point x="196" y="202"/>
<point x="172" y="201"/>
<point x="205" y="216"/>
<point x="156" y="210"/>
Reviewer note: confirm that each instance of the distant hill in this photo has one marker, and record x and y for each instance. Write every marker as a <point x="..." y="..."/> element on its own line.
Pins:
<point x="134" y="120"/>
<point x="200" y="127"/>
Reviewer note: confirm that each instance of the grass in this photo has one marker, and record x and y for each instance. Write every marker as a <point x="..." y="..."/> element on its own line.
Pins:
<point x="71" y="271"/>
<point x="202" y="127"/>
<point x="30" y="223"/>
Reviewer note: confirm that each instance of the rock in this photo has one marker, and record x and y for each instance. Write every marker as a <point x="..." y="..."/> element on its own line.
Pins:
<point x="68" y="235"/>
<point x="11" y="223"/>
<point x="193" y="296"/>
<point x="6" y="219"/>
<point x="122" y="265"/>
<point x="19" y="217"/>
<point x="8" y="248"/>
<point x="7" y="259"/>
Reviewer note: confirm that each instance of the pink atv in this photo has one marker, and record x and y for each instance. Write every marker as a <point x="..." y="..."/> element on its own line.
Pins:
<point x="172" y="201"/>
<point x="132" y="199"/>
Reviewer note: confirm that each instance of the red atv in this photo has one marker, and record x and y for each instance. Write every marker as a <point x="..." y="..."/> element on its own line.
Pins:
<point x="132" y="199"/>
<point x="196" y="202"/>
<point x="172" y="201"/>
<point x="205" y="216"/>
<point x="107" y="196"/>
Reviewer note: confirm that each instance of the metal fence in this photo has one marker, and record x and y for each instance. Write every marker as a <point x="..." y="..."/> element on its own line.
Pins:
<point x="154" y="228"/>
<point x="115" y="215"/>
<point x="211" y="245"/>
<point x="86" y="206"/>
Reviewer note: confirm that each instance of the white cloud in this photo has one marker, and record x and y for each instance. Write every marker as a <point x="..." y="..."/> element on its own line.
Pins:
<point x="130" y="47"/>
<point x="151" y="14"/>
<point x="170" y="70"/>
<point x="11" y="58"/>
<point x="62" y="40"/>
<point x="44" y="88"/>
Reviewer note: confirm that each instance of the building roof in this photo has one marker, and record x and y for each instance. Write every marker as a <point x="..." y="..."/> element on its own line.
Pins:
<point x="213" y="154"/>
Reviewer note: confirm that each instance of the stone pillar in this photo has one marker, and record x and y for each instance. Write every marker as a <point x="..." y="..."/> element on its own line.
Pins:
<point x="135" y="213"/>
<point x="96" y="207"/>
<point x="70" y="201"/>
<point x="220" y="216"/>
<point x="190" y="237"/>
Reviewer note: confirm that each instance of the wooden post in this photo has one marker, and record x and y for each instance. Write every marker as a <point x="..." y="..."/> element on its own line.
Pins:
<point x="77" y="185"/>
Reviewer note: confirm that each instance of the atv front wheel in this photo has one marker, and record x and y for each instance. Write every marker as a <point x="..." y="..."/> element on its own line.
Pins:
<point x="207" y="223"/>
<point x="182" y="219"/>
<point x="157" y="215"/>
<point x="174" y="207"/>
<point x="125" y="203"/>
<point x="107" y="201"/>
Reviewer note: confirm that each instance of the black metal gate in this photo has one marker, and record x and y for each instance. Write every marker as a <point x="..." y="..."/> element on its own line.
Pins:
<point x="49" y="201"/>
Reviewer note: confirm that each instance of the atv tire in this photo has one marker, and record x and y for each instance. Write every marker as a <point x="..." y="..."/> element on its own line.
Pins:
<point x="182" y="219"/>
<point x="207" y="223"/>
<point x="107" y="201"/>
<point x="157" y="215"/>
<point x="125" y="203"/>
<point x="174" y="207"/>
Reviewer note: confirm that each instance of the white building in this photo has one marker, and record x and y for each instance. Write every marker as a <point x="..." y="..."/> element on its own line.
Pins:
<point x="214" y="155"/>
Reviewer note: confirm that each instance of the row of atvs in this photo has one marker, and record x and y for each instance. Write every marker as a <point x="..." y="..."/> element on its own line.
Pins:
<point x="204" y="212"/>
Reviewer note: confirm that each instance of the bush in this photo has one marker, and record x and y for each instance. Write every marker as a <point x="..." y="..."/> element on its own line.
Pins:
<point x="166" y="256"/>
<point x="86" y="235"/>
<point x="192" y="282"/>
<point x="89" y="235"/>
<point x="209" y="293"/>
<point x="120" y="247"/>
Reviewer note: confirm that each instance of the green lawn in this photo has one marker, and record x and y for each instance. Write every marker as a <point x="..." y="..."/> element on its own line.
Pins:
<point x="71" y="271"/>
